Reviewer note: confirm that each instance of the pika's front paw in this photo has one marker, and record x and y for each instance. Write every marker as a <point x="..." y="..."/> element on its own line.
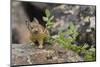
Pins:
<point x="32" y="44"/>
<point x="40" y="46"/>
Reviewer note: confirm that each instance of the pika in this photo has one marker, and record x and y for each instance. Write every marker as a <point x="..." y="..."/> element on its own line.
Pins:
<point x="37" y="32"/>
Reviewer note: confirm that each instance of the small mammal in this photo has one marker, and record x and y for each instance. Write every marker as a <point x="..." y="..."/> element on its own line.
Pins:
<point x="37" y="32"/>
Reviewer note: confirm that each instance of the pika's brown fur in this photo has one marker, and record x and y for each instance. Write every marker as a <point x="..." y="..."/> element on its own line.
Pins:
<point x="38" y="32"/>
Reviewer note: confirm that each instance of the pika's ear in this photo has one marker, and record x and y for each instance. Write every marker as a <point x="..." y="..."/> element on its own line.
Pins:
<point x="36" y="21"/>
<point x="28" y="26"/>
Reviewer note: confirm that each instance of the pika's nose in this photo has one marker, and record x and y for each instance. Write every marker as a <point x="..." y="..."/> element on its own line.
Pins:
<point x="36" y="31"/>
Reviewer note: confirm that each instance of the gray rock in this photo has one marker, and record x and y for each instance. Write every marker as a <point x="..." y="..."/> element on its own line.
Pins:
<point x="27" y="54"/>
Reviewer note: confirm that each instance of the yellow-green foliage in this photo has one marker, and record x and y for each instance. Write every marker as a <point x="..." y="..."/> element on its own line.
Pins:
<point x="48" y="19"/>
<point x="67" y="39"/>
<point x="49" y="23"/>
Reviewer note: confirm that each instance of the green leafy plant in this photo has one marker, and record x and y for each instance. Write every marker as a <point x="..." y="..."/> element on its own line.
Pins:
<point x="48" y="19"/>
<point x="90" y="55"/>
<point x="49" y="23"/>
<point x="67" y="39"/>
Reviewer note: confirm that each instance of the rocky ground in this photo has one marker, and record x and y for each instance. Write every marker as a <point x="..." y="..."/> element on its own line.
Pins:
<point x="23" y="54"/>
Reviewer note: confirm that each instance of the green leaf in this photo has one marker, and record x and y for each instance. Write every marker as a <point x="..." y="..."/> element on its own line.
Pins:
<point x="47" y="12"/>
<point x="45" y="18"/>
<point x="51" y="18"/>
<point x="48" y="27"/>
<point x="92" y="49"/>
<point x="88" y="58"/>
<point x="49" y="23"/>
<point x="85" y="46"/>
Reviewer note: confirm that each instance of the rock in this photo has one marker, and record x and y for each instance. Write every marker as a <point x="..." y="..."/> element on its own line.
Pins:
<point x="92" y="22"/>
<point x="73" y="57"/>
<point x="66" y="54"/>
<point x="87" y="10"/>
<point x="21" y="60"/>
<point x="26" y="54"/>
<point x="42" y="56"/>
